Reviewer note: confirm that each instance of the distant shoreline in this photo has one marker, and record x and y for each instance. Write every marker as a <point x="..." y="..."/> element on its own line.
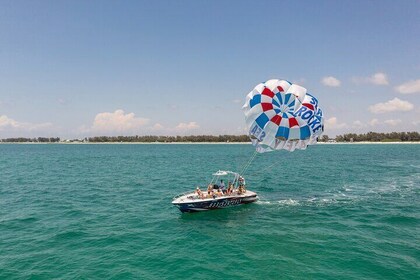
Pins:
<point x="392" y="137"/>
<point x="367" y="142"/>
<point x="129" y="143"/>
<point x="194" y="143"/>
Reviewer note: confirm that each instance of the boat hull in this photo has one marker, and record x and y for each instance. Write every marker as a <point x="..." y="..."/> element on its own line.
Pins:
<point x="189" y="204"/>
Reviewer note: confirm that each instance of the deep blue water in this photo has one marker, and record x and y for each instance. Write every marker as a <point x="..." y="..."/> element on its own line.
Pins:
<point x="104" y="212"/>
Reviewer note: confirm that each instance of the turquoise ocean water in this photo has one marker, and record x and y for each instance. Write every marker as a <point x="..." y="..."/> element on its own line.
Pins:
<point x="104" y="212"/>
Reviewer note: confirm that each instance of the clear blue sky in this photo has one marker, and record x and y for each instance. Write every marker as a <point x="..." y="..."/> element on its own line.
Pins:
<point x="82" y="68"/>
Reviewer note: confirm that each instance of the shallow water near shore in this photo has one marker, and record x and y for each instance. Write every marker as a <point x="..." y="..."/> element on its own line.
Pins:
<point x="104" y="212"/>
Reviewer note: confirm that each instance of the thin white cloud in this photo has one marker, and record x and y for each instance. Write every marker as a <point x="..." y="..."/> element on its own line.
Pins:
<point x="158" y="126"/>
<point x="331" y="81"/>
<point x="300" y="81"/>
<point x="118" y="122"/>
<point x="332" y="123"/>
<point x="358" y="124"/>
<point x="6" y="122"/>
<point x="394" y="105"/>
<point x="180" y="128"/>
<point x="392" y="122"/>
<point x="379" y="79"/>
<point x="9" y="124"/>
<point x="374" y="122"/>
<point x="187" y="126"/>
<point x="409" y="87"/>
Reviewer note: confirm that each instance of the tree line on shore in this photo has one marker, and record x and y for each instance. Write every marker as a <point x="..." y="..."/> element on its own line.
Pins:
<point x="136" y="138"/>
<point x="376" y="137"/>
<point x="31" y="140"/>
<point x="170" y="139"/>
<point x="349" y="137"/>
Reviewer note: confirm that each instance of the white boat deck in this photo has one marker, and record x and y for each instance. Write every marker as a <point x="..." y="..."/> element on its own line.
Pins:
<point x="193" y="197"/>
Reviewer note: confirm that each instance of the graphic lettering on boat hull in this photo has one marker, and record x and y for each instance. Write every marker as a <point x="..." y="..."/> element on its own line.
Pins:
<point x="225" y="203"/>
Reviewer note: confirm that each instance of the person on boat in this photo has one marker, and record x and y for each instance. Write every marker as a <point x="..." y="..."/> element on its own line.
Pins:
<point x="229" y="189"/>
<point x="219" y="193"/>
<point x="222" y="185"/>
<point x="210" y="194"/>
<point x="229" y="184"/>
<point x="210" y="187"/>
<point x="241" y="190"/>
<point x="199" y="192"/>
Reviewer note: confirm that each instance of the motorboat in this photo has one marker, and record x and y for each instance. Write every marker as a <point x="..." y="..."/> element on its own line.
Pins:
<point x="216" y="195"/>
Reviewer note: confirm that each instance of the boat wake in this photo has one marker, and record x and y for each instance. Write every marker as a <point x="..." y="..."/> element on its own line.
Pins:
<point x="299" y="202"/>
<point x="350" y="194"/>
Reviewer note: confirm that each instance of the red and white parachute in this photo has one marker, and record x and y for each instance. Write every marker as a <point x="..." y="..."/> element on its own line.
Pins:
<point x="282" y="115"/>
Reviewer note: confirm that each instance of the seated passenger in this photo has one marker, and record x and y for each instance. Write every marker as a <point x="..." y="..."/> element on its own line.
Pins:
<point x="199" y="193"/>
<point x="230" y="189"/>
<point x="229" y="184"/>
<point x="241" y="181"/>
<point x="219" y="193"/>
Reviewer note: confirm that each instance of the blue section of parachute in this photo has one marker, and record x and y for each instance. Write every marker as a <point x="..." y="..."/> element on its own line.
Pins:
<point x="262" y="120"/>
<point x="275" y="103"/>
<point x="287" y="98"/>
<point x="305" y="132"/>
<point x="292" y="104"/>
<point x="283" y="132"/>
<point x="279" y="98"/>
<point x="255" y="100"/>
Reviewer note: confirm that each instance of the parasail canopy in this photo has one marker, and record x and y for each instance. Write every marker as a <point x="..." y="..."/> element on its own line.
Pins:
<point x="282" y="115"/>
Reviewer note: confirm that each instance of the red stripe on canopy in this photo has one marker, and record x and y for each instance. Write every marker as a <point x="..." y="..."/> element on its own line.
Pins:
<point x="310" y="106"/>
<point x="268" y="92"/>
<point x="293" y="122"/>
<point x="267" y="106"/>
<point x="276" y="119"/>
